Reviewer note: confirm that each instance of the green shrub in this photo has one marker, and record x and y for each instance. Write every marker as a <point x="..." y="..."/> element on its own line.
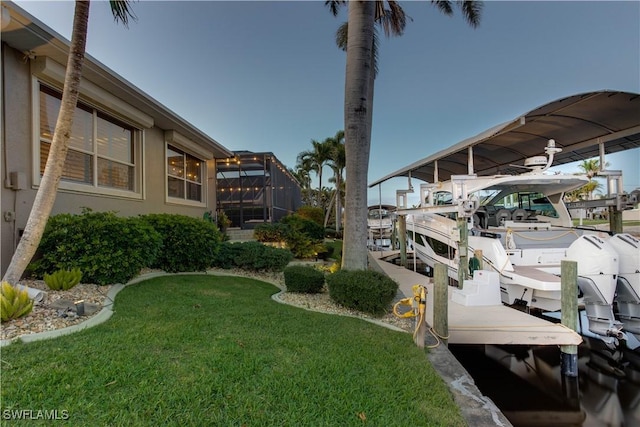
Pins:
<point x="303" y="247"/>
<point x="332" y="249"/>
<point x="271" y="232"/>
<point x="14" y="302"/>
<point x="63" y="279"/>
<point x="106" y="248"/>
<point x="253" y="256"/>
<point x="312" y="213"/>
<point x="256" y="256"/>
<point x="189" y="244"/>
<point x="225" y="258"/>
<point x="304" y="279"/>
<point x="305" y="226"/>
<point x="363" y="290"/>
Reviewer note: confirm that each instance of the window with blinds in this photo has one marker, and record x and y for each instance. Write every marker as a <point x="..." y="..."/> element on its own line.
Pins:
<point x="184" y="175"/>
<point x="101" y="148"/>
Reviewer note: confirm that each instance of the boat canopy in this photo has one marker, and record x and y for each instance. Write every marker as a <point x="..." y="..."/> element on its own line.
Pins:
<point x="579" y="124"/>
<point x="546" y="184"/>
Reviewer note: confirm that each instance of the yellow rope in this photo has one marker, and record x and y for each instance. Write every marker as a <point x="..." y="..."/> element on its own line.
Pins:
<point x="545" y="239"/>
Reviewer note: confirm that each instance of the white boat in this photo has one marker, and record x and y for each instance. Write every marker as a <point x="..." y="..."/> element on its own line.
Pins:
<point x="492" y="193"/>
<point x="522" y="229"/>
<point x="380" y="224"/>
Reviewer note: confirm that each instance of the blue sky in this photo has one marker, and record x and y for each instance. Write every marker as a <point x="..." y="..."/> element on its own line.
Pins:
<point x="267" y="76"/>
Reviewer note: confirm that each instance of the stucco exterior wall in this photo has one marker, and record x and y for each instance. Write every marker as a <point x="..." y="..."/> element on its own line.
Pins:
<point x="17" y="156"/>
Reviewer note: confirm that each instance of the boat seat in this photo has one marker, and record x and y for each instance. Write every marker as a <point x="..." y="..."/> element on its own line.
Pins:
<point x="503" y="215"/>
<point x="480" y="219"/>
<point x="519" y="215"/>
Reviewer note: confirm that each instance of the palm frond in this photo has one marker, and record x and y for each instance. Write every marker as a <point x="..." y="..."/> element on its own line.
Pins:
<point x="392" y="20"/>
<point x="341" y="42"/>
<point x="334" y="5"/>
<point x="341" y="36"/>
<point x="443" y="6"/>
<point x="122" y="11"/>
<point x="472" y="10"/>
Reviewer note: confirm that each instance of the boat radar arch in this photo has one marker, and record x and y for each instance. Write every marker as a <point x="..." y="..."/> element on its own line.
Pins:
<point x="539" y="164"/>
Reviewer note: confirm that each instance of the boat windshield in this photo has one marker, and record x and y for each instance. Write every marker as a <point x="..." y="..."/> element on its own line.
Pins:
<point x="378" y="214"/>
<point x="533" y="202"/>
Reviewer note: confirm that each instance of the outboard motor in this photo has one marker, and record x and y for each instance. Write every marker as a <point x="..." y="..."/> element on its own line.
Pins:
<point x="598" y="268"/>
<point x="628" y="287"/>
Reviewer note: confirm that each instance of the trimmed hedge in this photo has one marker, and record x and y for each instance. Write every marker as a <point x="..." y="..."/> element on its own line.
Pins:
<point x="106" y="248"/>
<point x="252" y="256"/>
<point x="189" y="244"/>
<point x="363" y="290"/>
<point x="303" y="279"/>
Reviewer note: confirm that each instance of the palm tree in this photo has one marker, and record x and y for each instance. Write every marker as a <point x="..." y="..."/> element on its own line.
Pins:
<point x="337" y="164"/>
<point x="591" y="167"/>
<point x="315" y="160"/>
<point x="304" y="179"/>
<point x="358" y="112"/>
<point x="46" y="195"/>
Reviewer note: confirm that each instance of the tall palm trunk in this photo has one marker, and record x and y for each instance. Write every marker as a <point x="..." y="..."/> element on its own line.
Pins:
<point x="338" y="203"/>
<point x="357" y="117"/>
<point x="46" y="195"/>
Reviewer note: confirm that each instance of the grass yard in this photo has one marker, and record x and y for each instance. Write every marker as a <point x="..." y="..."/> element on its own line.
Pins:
<point x="195" y="350"/>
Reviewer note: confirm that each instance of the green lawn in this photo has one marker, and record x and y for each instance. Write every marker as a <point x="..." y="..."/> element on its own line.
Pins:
<point x="217" y="351"/>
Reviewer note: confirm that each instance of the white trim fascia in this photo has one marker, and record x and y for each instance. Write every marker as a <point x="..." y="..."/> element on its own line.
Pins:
<point x="48" y="69"/>
<point x="174" y="138"/>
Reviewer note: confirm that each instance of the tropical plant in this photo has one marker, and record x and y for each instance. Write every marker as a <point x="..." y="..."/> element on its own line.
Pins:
<point x="363" y="16"/>
<point x="336" y="162"/>
<point x="63" y="280"/>
<point x="315" y="160"/>
<point x="47" y="191"/>
<point x="590" y="167"/>
<point x="14" y="302"/>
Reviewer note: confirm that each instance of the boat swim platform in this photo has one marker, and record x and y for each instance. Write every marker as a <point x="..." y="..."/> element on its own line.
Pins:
<point x="489" y="324"/>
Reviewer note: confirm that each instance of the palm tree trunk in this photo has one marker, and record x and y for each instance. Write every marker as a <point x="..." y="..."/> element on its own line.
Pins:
<point x="46" y="195"/>
<point x="338" y="202"/>
<point x="357" y="131"/>
<point x="328" y="213"/>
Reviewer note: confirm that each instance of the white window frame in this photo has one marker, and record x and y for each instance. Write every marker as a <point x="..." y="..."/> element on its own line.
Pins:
<point x="92" y="188"/>
<point x="187" y="146"/>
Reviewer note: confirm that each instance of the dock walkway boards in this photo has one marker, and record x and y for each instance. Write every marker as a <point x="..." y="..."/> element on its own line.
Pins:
<point x="494" y="324"/>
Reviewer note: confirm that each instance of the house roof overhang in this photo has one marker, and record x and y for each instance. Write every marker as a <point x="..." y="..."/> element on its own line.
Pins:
<point x="579" y="124"/>
<point x="28" y="35"/>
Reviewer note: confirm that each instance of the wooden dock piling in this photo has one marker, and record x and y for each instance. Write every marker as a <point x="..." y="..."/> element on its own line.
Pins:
<point x="441" y="302"/>
<point x="402" y="237"/>
<point x="569" y="314"/>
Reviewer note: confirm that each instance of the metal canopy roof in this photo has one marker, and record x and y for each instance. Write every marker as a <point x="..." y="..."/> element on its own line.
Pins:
<point x="578" y="124"/>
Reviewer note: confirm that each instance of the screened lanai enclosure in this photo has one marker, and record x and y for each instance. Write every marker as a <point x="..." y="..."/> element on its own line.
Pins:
<point x="253" y="188"/>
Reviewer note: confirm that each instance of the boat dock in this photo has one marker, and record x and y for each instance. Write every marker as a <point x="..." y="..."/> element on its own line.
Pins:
<point x="492" y="324"/>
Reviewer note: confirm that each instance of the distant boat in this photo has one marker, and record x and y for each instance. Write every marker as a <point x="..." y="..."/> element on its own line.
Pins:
<point x="380" y="225"/>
